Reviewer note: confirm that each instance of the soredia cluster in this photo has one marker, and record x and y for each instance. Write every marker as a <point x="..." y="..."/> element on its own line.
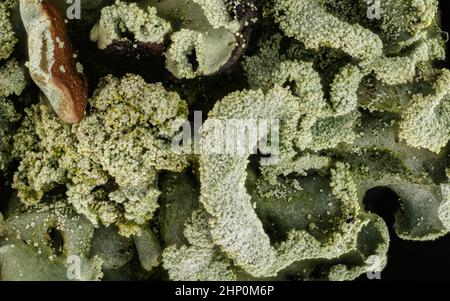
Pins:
<point x="362" y="99"/>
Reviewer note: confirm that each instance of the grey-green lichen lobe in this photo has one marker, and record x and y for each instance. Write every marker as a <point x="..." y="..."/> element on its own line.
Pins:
<point x="361" y="103"/>
<point x="109" y="162"/>
<point x="148" y="248"/>
<point x="12" y="79"/>
<point x="8" y="116"/>
<point x="202" y="36"/>
<point x="114" y="249"/>
<point x="208" y="35"/>
<point x="426" y="123"/>
<point x="29" y="252"/>
<point x="309" y="22"/>
<point x="12" y="84"/>
<point x="201" y="260"/>
<point x="122" y="19"/>
<point x="7" y="37"/>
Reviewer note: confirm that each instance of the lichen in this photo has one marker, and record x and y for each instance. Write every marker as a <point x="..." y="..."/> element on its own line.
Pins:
<point x="109" y="162"/>
<point x="12" y="83"/>
<point x="29" y="252"/>
<point x="122" y="19"/>
<point x="7" y="37"/>
<point x="355" y="105"/>
<point x="202" y="36"/>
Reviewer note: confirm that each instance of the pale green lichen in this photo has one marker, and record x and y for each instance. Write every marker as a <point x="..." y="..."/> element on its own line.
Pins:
<point x="400" y="70"/>
<point x="148" y="248"/>
<point x="372" y="247"/>
<point x="29" y="252"/>
<point x="120" y="19"/>
<point x="12" y="79"/>
<point x="323" y="125"/>
<point x="426" y="123"/>
<point x="398" y="28"/>
<point x="8" y="116"/>
<point x="203" y="39"/>
<point x="12" y="83"/>
<point x="217" y="13"/>
<point x="108" y="162"/>
<point x="232" y="214"/>
<point x="408" y="172"/>
<point x="308" y="21"/>
<point x="113" y="249"/>
<point x="7" y="37"/>
<point x="201" y="260"/>
<point x="189" y="43"/>
<point x="211" y="50"/>
<point x="361" y="106"/>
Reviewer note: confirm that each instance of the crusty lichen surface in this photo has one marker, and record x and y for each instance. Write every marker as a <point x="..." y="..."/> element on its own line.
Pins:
<point x="203" y="37"/>
<point x="12" y="84"/>
<point x="109" y="162"/>
<point x="121" y="18"/>
<point x="362" y="104"/>
<point x="7" y="40"/>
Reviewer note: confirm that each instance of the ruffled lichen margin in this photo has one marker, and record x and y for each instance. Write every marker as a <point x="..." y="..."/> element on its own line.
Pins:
<point x="362" y="103"/>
